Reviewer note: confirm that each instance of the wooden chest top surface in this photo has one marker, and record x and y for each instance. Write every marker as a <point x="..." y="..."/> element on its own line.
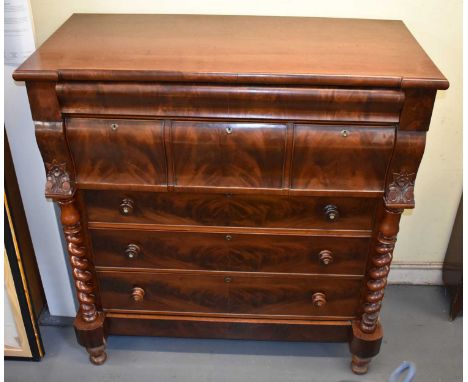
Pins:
<point x="245" y="49"/>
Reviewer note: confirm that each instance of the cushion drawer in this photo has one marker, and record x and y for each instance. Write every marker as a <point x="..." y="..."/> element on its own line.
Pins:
<point x="228" y="154"/>
<point x="342" y="158"/>
<point x="305" y="158"/>
<point x="229" y="252"/>
<point x="216" y="293"/>
<point x="117" y="151"/>
<point x="263" y="211"/>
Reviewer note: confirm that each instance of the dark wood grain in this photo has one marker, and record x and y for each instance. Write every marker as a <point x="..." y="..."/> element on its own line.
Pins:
<point x="378" y="267"/>
<point x="363" y="347"/>
<point x="228" y="154"/>
<point x="341" y="157"/>
<point x="293" y="297"/>
<point x="215" y="293"/>
<point x="43" y="101"/>
<point x="417" y="110"/>
<point x="228" y="327"/>
<point x="236" y="174"/>
<point x="240" y="102"/>
<point x="165" y="292"/>
<point x="230" y="210"/>
<point x="51" y="140"/>
<point x="117" y="151"/>
<point x="229" y="252"/>
<point x="401" y="174"/>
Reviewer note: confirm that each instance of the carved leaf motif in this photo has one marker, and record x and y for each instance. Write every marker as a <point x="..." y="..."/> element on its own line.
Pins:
<point x="58" y="181"/>
<point x="401" y="190"/>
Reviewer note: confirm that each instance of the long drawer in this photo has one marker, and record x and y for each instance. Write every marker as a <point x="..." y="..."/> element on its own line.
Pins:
<point x="229" y="252"/>
<point x="228" y="210"/>
<point x="224" y="293"/>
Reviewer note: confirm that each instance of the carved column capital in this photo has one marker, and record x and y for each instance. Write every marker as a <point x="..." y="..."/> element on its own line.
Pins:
<point x="400" y="192"/>
<point x="58" y="183"/>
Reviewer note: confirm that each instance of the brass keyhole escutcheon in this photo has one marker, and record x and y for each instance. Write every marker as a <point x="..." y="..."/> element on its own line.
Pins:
<point x="114" y="126"/>
<point x="228" y="237"/>
<point x="229" y="130"/>
<point x="344" y="133"/>
<point x="228" y="279"/>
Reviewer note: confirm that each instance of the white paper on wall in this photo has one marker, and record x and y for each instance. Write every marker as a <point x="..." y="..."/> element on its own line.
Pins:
<point x="18" y="32"/>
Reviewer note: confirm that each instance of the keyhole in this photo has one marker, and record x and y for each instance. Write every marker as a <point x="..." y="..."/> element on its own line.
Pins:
<point x="229" y="130"/>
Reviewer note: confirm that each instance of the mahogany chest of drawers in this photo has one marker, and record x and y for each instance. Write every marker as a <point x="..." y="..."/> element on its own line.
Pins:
<point x="231" y="177"/>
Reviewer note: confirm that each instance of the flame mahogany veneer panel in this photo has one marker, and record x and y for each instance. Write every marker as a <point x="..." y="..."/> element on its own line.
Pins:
<point x="229" y="210"/>
<point x="229" y="294"/>
<point x="168" y="100"/>
<point x="230" y="252"/>
<point x="117" y="151"/>
<point x="341" y="157"/>
<point x="218" y="154"/>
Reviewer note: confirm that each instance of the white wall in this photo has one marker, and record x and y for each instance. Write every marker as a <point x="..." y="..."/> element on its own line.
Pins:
<point x="436" y="24"/>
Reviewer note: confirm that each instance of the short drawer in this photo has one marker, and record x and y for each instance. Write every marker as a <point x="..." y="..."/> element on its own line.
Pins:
<point x="215" y="293"/>
<point x="228" y="154"/>
<point x="163" y="292"/>
<point x="229" y="252"/>
<point x="117" y="151"/>
<point x="341" y="158"/>
<point x="262" y="211"/>
<point x="294" y="296"/>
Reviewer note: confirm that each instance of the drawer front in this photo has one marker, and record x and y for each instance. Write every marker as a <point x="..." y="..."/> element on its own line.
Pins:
<point x="230" y="294"/>
<point x="117" y="152"/>
<point x="298" y="296"/>
<point x="164" y="292"/>
<point x="147" y="99"/>
<point x="230" y="210"/>
<point x="220" y="154"/>
<point x="341" y="158"/>
<point x="229" y="252"/>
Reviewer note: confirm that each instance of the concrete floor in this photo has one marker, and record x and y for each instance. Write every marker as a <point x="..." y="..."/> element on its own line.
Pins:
<point x="415" y="321"/>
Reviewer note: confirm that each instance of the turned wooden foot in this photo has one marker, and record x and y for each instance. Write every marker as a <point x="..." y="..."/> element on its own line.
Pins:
<point x="363" y="347"/>
<point x="97" y="355"/>
<point x="92" y="336"/>
<point x="360" y="365"/>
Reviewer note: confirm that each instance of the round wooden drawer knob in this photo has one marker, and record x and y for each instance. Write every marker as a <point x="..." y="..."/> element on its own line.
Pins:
<point x="319" y="299"/>
<point x="132" y="251"/>
<point x="126" y="206"/>
<point x="331" y="212"/>
<point x="138" y="294"/>
<point x="326" y="257"/>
